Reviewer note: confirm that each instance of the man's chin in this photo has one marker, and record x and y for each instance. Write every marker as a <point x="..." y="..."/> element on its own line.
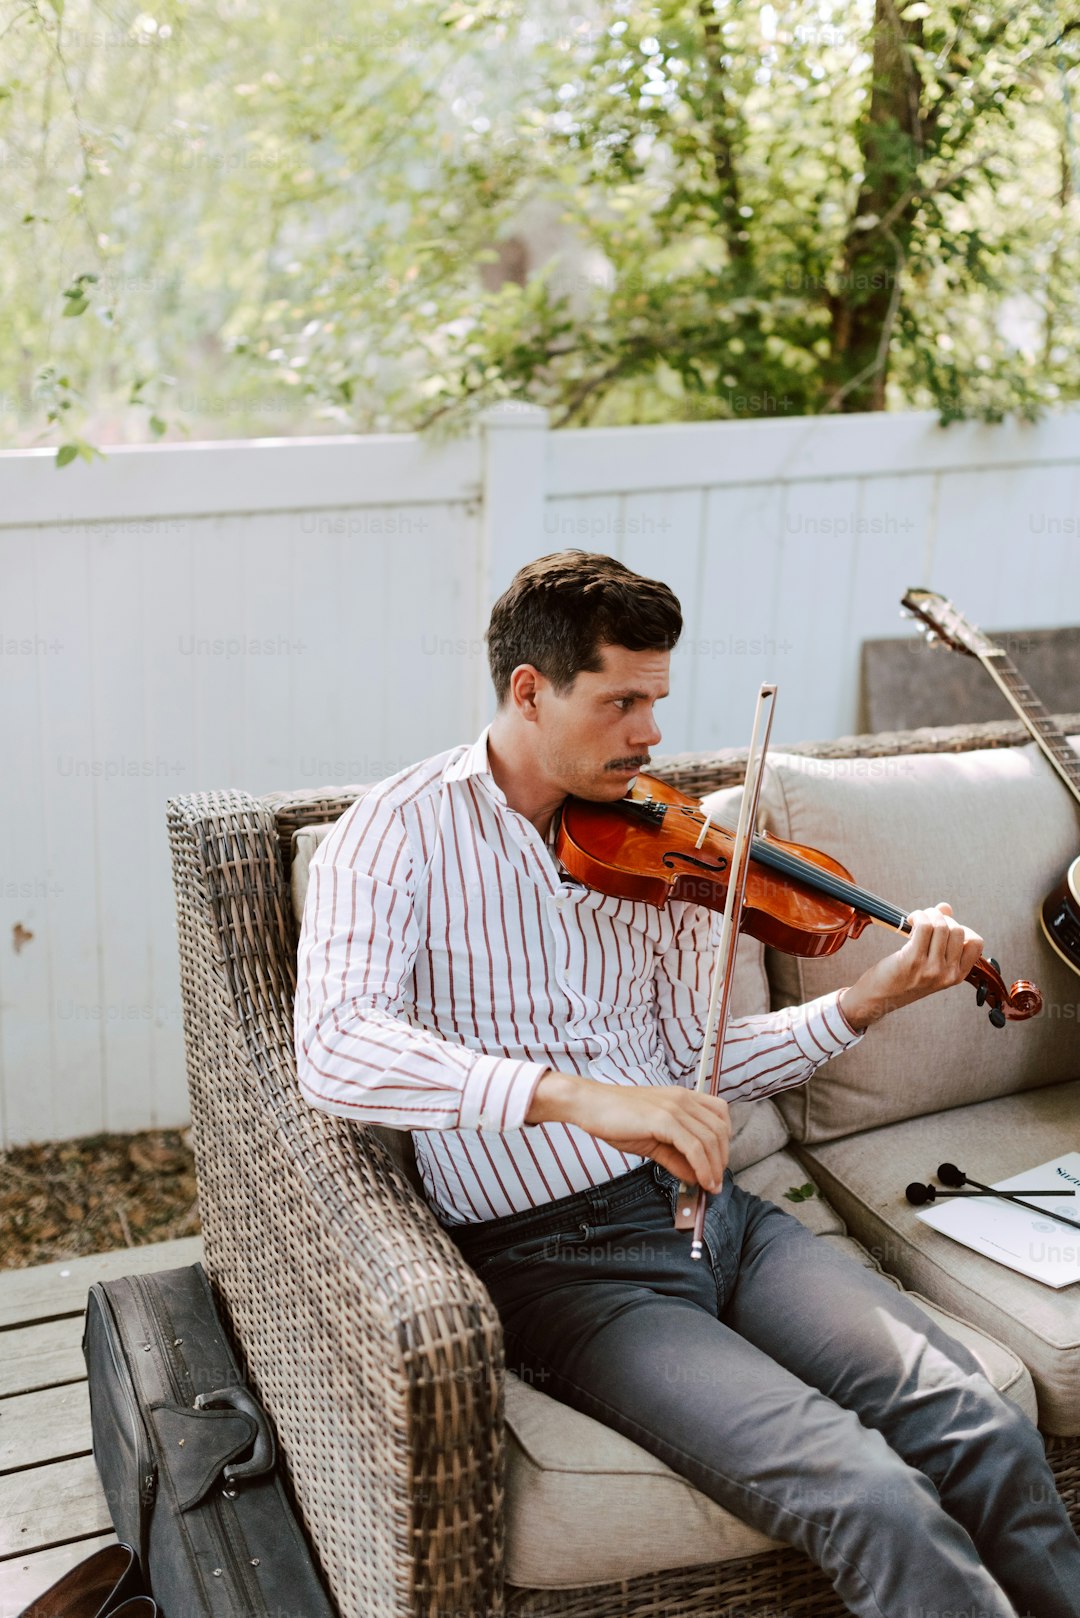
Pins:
<point x="620" y="781"/>
<point x="608" y="785"/>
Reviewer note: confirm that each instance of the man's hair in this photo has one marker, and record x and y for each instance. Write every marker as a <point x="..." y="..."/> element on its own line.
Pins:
<point x="561" y="609"/>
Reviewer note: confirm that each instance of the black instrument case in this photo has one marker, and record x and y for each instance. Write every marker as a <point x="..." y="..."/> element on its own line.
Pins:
<point x="187" y="1456"/>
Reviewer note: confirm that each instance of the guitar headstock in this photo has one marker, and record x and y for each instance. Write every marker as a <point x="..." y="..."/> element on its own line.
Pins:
<point x="950" y="626"/>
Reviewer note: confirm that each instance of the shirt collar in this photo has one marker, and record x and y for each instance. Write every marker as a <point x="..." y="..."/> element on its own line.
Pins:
<point x="474" y="761"/>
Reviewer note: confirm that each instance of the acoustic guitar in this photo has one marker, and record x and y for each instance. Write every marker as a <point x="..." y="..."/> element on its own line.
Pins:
<point x="1059" y="916"/>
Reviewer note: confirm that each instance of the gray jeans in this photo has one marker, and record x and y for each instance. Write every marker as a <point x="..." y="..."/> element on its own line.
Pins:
<point x="793" y="1385"/>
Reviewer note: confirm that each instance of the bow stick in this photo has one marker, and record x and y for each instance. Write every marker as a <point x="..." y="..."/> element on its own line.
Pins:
<point x="690" y="1201"/>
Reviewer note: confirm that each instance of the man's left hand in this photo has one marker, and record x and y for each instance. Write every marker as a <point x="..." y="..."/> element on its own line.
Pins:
<point x="937" y="953"/>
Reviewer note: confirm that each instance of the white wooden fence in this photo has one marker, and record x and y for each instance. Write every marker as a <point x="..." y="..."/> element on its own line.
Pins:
<point x="287" y="613"/>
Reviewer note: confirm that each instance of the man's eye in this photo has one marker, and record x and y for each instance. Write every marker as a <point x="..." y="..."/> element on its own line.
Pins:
<point x="623" y="702"/>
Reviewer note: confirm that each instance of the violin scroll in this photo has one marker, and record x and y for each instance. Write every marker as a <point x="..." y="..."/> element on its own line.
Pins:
<point x="1017" y="1004"/>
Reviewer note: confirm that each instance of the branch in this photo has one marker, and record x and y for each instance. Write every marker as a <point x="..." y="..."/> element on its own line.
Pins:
<point x="578" y="398"/>
<point x="934" y="113"/>
<point x="17" y="17"/>
<point x="88" y="177"/>
<point x="918" y="190"/>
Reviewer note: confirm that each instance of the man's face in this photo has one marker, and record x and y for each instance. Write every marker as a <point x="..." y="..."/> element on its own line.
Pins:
<point x="593" y="739"/>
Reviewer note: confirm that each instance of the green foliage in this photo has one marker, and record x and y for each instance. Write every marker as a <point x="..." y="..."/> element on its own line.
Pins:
<point x="801" y="1193"/>
<point x="244" y="218"/>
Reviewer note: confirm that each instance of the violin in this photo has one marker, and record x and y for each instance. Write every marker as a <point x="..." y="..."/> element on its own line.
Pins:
<point x="798" y="900"/>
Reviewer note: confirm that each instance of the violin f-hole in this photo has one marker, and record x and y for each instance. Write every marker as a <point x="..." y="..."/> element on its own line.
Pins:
<point x="691" y="859"/>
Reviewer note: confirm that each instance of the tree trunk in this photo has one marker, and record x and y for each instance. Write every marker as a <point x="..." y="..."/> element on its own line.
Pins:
<point x="890" y="138"/>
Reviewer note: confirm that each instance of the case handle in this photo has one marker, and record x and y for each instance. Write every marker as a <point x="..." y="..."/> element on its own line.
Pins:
<point x="238" y="1397"/>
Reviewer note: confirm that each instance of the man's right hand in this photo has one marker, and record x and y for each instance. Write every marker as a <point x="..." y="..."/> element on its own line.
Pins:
<point x="689" y="1134"/>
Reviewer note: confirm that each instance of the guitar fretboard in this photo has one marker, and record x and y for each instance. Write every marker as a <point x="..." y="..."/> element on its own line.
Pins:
<point x="1054" y="743"/>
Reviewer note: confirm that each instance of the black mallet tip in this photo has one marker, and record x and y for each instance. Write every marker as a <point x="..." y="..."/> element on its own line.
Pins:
<point x="918" y="1194"/>
<point x="949" y="1174"/>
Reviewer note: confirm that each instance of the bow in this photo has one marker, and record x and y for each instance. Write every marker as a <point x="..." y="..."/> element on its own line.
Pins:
<point x="690" y="1201"/>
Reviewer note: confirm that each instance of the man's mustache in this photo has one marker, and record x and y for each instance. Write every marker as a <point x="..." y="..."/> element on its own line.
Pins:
<point x="629" y="763"/>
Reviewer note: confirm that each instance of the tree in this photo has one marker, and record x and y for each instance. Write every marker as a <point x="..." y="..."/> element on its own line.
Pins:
<point x="803" y="219"/>
<point x="312" y="223"/>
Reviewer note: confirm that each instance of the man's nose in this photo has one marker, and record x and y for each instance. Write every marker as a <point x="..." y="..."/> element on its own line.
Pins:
<point x="648" y="733"/>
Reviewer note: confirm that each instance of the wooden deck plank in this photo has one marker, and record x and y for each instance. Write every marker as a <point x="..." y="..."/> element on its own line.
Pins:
<point x="48" y="1425"/>
<point x="48" y="1505"/>
<point x="24" y="1577"/>
<point x="60" y="1288"/>
<point x="41" y="1356"/>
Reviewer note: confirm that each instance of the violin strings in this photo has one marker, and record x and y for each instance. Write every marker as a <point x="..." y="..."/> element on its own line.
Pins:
<point x="814" y="876"/>
<point x="827" y="882"/>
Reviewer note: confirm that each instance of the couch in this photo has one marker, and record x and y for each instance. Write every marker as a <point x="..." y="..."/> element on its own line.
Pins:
<point x="429" y="1479"/>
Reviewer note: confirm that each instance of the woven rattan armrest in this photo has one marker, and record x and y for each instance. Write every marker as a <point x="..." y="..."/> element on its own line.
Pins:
<point x="376" y="1351"/>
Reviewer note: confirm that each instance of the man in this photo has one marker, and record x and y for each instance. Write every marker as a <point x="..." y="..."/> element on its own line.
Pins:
<point x="540" y="1040"/>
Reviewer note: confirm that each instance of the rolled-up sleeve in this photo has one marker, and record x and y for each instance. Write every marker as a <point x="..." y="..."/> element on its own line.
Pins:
<point x="357" y="1054"/>
<point x="765" y="1053"/>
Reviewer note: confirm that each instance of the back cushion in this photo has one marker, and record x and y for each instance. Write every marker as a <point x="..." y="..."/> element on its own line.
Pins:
<point x="990" y="831"/>
<point x="757" y="1127"/>
<point x="304" y="843"/>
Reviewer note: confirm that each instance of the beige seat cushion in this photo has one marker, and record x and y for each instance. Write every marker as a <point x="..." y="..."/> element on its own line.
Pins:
<point x="915" y="829"/>
<point x="584" y="1505"/>
<point x="568" y="1474"/>
<point x="864" y="1177"/>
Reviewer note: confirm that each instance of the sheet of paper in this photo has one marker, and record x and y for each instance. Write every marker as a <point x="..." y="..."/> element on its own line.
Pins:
<point x="1023" y="1238"/>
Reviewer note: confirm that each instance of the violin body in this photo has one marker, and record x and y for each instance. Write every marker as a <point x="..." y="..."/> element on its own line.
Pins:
<point x="797" y="899"/>
<point x="654" y="858"/>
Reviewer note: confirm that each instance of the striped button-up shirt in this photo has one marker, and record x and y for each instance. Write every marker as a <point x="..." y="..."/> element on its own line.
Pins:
<point x="447" y="961"/>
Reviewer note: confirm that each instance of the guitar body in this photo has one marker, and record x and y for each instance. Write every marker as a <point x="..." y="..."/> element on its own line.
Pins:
<point x="1060" y="917"/>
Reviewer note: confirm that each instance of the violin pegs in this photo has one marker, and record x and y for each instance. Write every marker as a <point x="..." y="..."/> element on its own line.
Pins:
<point x="995" y="965"/>
<point x="997" y="1017"/>
<point x="980" y="995"/>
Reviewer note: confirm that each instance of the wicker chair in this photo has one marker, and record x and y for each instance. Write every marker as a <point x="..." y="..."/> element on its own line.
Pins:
<point x="375" y="1349"/>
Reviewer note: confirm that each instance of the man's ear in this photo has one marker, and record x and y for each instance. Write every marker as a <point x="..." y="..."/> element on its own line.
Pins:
<point x="525" y="685"/>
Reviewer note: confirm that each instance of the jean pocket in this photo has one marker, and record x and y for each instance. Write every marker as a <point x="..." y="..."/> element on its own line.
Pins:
<point x="538" y="1249"/>
<point x="665" y="1182"/>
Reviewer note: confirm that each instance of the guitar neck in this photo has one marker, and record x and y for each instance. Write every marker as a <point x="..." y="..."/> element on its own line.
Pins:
<point x="1022" y="699"/>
